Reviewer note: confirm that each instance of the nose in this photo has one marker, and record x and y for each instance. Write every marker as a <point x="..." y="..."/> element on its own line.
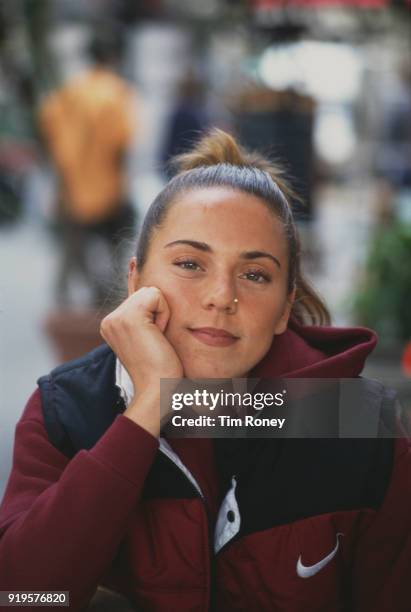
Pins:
<point x="221" y="296"/>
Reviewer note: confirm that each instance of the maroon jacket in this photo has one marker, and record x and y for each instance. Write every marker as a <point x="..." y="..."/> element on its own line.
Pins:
<point x="325" y="524"/>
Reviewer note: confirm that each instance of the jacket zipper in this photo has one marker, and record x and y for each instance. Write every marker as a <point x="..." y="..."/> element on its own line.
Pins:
<point x="211" y="556"/>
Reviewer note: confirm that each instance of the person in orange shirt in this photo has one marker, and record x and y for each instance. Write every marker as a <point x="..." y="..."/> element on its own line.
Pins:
<point x="88" y="125"/>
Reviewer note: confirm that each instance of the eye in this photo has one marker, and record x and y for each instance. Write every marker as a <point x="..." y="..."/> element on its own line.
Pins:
<point x="256" y="276"/>
<point x="188" y="264"/>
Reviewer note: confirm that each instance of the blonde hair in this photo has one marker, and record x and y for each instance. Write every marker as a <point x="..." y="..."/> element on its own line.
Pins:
<point x="218" y="160"/>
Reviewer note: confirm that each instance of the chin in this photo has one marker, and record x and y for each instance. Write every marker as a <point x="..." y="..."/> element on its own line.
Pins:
<point x="213" y="371"/>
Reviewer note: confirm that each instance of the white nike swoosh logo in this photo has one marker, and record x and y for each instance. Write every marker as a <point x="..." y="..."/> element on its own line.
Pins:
<point x="306" y="571"/>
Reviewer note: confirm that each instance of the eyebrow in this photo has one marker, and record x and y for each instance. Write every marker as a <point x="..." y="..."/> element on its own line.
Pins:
<point x="202" y="246"/>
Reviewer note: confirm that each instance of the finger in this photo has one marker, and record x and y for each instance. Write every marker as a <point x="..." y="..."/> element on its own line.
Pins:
<point x="161" y="313"/>
<point x="155" y="306"/>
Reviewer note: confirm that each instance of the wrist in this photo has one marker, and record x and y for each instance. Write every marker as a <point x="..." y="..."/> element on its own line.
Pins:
<point x="144" y="410"/>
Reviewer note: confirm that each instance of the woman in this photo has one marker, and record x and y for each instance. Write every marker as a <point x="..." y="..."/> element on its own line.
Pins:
<point x="97" y="496"/>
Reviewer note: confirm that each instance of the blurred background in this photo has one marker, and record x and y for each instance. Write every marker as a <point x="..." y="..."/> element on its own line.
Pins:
<point x="96" y="96"/>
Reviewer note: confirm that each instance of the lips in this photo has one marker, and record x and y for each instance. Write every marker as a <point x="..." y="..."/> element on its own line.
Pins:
<point x="213" y="336"/>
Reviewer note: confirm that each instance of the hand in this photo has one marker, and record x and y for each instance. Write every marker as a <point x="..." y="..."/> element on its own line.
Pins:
<point x="135" y="332"/>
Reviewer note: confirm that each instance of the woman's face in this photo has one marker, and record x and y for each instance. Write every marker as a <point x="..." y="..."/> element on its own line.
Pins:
<point x="216" y="245"/>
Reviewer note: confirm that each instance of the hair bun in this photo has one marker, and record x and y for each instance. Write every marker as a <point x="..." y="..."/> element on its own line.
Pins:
<point x="215" y="147"/>
<point x="219" y="147"/>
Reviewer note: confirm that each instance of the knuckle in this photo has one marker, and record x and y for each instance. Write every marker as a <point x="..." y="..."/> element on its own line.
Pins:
<point x="123" y="323"/>
<point x="154" y="291"/>
<point x="104" y="325"/>
<point x="108" y="323"/>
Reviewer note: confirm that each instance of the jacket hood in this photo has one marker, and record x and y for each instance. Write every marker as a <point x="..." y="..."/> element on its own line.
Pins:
<point x="311" y="351"/>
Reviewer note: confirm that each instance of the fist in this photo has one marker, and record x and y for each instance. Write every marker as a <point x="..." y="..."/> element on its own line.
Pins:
<point x="135" y="332"/>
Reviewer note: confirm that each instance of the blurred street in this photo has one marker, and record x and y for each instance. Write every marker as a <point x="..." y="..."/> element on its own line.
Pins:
<point x="26" y="272"/>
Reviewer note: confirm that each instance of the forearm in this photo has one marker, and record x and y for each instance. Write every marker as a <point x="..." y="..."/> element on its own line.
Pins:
<point x="144" y="410"/>
<point x="69" y="534"/>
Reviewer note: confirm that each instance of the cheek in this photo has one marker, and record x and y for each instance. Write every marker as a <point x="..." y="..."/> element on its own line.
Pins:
<point x="261" y="326"/>
<point x="263" y="317"/>
<point x="183" y="301"/>
<point x="178" y="295"/>
<point x="182" y="305"/>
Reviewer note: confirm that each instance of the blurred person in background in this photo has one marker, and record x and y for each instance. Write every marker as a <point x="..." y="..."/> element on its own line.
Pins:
<point x="393" y="156"/>
<point x="188" y="119"/>
<point x="254" y="525"/>
<point x="88" y="125"/>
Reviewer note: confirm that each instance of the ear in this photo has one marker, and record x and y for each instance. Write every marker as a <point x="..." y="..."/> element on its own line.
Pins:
<point x="282" y="323"/>
<point x="133" y="276"/>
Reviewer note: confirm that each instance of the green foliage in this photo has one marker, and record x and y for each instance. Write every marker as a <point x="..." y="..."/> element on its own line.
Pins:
<point x="384" y="303"/>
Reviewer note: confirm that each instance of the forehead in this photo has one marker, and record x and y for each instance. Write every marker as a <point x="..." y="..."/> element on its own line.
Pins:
<point x="222" y="214"/>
